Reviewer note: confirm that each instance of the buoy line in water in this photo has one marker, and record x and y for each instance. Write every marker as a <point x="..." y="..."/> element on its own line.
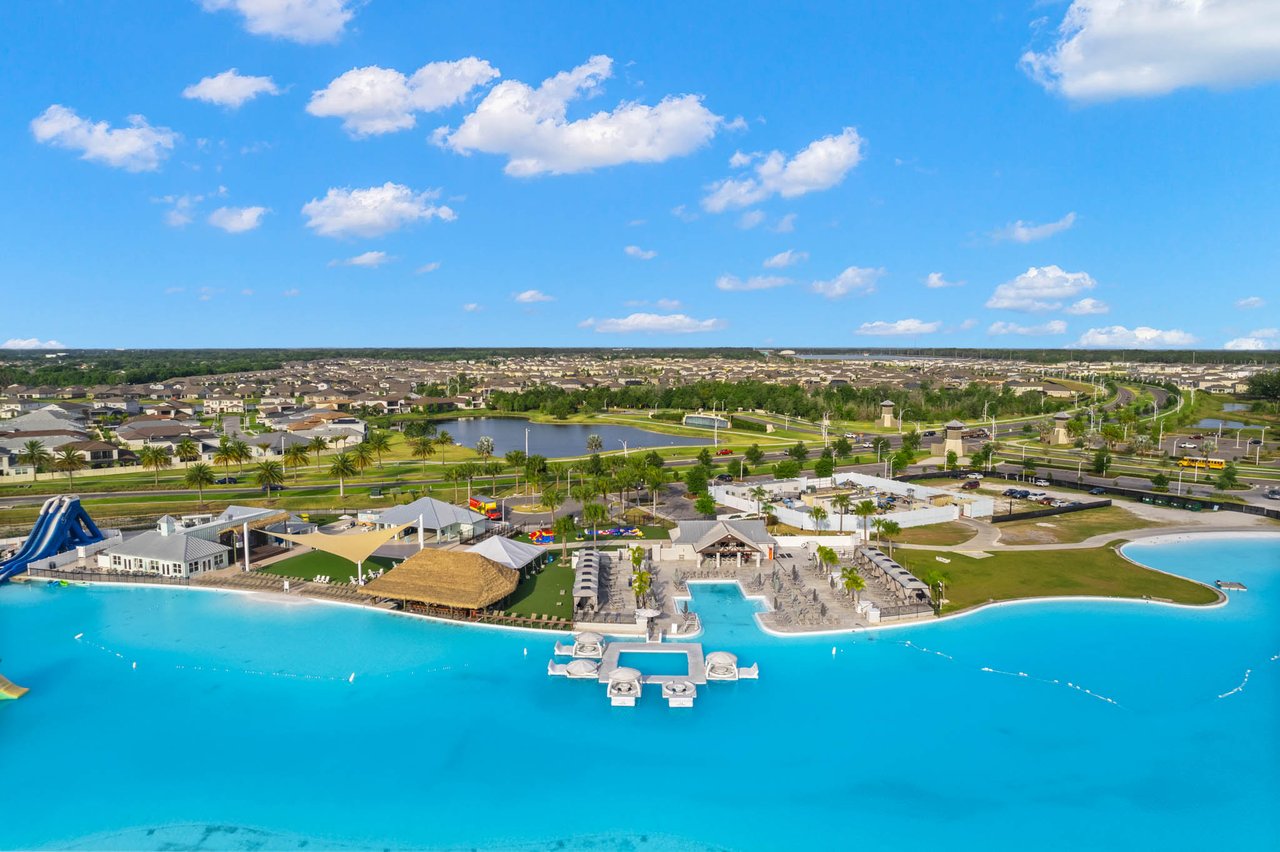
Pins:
<point x="1245" y="681"/>
<point x="350" y="678"/>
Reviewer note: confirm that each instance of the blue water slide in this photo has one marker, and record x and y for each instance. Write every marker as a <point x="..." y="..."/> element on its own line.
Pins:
<point x="37" y="531"/>
<point x="63" y="525"/>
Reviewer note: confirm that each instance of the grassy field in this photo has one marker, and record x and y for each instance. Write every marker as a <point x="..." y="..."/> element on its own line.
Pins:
<point x="1073" y="527"/>
<point x="952" y="532"/>
<point x="308" y="565"/>
<point x="1097" y="571"/>
<point x="541" y="593"/>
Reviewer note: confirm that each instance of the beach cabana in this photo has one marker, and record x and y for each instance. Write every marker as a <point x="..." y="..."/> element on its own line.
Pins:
<point x="353" y="547"/>
<point x="446" y="582"/>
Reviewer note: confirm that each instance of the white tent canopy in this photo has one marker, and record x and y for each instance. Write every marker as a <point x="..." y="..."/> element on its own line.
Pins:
<point x="509" y="552"/>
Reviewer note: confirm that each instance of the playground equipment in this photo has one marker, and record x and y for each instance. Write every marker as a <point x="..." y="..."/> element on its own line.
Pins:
<point x="62" y="525"/>
<point x="9" y="689"/>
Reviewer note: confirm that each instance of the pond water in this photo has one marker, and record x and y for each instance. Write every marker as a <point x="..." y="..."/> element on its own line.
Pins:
<point x="1235" y="406"/>
<point x="1215" y="422"/>
<point x="163" y="718"/>
<point x="556" y="440"/>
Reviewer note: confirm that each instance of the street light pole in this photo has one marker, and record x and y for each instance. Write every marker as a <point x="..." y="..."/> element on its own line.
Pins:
<point x="526" y="442"/>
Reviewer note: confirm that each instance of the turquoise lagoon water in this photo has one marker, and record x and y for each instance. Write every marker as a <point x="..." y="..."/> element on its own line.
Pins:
<point x="1135" y="726"/>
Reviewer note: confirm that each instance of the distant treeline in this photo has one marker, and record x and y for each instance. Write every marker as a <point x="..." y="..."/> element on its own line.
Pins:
<point x="1058" y="356"/>
<point x="927" y="403"/>
<point x="1265" y="386"/>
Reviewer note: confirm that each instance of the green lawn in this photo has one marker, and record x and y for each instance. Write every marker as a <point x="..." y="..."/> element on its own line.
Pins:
<point x="541" y="593"/>
<point x="951" y="532"/>
<point x="1098" y="571"/>
<point x="1072" y="527"/>
<point x="308" y="565"/>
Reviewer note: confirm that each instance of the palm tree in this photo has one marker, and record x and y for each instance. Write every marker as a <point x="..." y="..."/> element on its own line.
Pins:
<point x="362" y="456"/>
<point x="641" y="582"/>
<point x="593" y="515"/>
<point x="594" y="443"/>
<point x="198" y="476"/>
<point x="187" y="450"/>
<point x="70" y="460"/>
<point x="492" y="469"/>
<point x="225" y="454"/>
<point x="759" y="494"/>
<point x="654" y="480"/>
<point x="877" y="524"/>
<point x="819" y="515"/>
<point x="552" y="497"/>
<point x="938" y="579"/>
<point x="296" y="457"/>
<point x="36" y="456"/>
<point x="240" y="453"/>
<point x="453" y="475"/>
<point x="842" y="503"/>
<point x="890" y="529"/>
<point x="155" y="458"/>
<point x="422" y="448"/>
<point x="444" y="439"/>
<point x="342" y="467"/>
<point x="827" y="557"/>
<point x="469" y="471"/>
<point x="516" y="460"/>
<point x="564" y="527"/>
<point x="865" y="509"/>
<point x="379" y="442"/>
<point x="852" y="582"/>
<point x="484" y="446"/>
<point x="318" y="444"/>
<point x="269" y="475"/>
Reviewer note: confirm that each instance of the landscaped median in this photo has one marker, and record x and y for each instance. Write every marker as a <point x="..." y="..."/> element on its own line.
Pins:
<point x="1077" y="572"/>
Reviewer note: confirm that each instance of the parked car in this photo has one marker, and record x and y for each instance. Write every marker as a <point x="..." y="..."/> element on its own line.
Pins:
<point x="1035" y="495"/>
<point x="1046" y="501"/>
<point x="1058" y="504"/>
<point x="1255" y="442"/>
<point x="1040" y="482"/>
<point x="226" y="480"/>
<point x="268" y="488"/>
<point x="1186" y="445"/>
<point x="1098" y="490"/>
<point x="725" y="452"/>
<point x="1010" y="492"/>
<point x="1273" y="494"/>
<point x="723" y="477"/>
<point x="1197" y="437"/>
<point x="928" y="434"/>
<point x="971" y="484"/>
<point x="974" y="475"/>
<point x="867" y="445"/>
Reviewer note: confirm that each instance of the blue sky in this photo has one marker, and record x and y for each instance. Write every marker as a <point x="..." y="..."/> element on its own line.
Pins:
<point x="1101" y="173"/>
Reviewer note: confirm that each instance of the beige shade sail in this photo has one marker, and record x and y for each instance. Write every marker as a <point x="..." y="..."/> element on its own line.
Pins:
<point x="354" y="547"/>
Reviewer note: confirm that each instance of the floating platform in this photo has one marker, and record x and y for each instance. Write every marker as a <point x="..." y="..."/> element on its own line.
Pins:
<point x="9" y="689"/>
<point x="1231" y="586"/>
<point x="625" y="685"/>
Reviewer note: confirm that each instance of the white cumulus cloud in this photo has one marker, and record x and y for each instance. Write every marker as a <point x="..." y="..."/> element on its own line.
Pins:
<point x="427" y="267"/>
<point x="854" y="279"/>
<point x="898" y="327"/>
<point x="639" y="253"/>
<point x="230" y="89"/>
<point x="237" y="220"/>
<point x="136" y="148"/>
<point x="1251" y="302"/>
<point x="821" y="165"/>
<point x="368" y="260"/>
<point x="529" y="297"/>
<point x="734" y="284"/>
<point x="1040" y="288"/>
<point x="783" y="259"/>
<point x="1141" y="337"/>
<point x="371" y="212"/>
<point x="303" y="21"/>
<point x="936" y="281"/>
<point x="31" y="343"/>
<point x="1051" y="327"/>
<point x="654" y="323"/>
<point x="1087" y="307"/>
<point x="374" y="100"/>
<point x="1029" y="232"/>
<point x="751" y="219"/>
<point x="1107" y="49"/>
<point x="531" y="127"/>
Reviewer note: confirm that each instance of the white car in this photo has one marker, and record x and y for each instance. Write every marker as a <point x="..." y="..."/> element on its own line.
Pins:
<point x="973" y="476"/>
<point x="1041" y="482"/>
<point x="1186" y="445"/>
<point x="867" y="445"/>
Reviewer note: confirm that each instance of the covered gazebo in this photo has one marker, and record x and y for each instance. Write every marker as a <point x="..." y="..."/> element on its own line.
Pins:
<point x="445" y="582"/>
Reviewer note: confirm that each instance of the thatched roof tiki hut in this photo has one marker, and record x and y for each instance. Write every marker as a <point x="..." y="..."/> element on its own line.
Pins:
<point x="445" y="582"/>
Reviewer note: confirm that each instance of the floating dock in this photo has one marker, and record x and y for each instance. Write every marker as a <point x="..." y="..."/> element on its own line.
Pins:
<point x="594" y="659"/>
<point x="1231" y="586"/>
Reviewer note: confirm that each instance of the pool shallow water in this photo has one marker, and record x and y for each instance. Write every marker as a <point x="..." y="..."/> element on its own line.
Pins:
<point x="1052" y="725"/>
